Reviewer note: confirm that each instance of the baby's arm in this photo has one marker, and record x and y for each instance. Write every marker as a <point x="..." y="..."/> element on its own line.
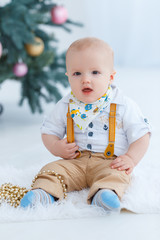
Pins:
<point x="60" y="147"/>
<point x="132" y="157"/>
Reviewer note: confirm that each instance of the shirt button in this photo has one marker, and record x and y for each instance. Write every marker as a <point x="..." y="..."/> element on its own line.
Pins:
<point x="91" y="125"/>
<point x="90" y="134"/>
<point x="105" y="127"/>
<point x="89" y="146"/>
<point x="146" y="120"/>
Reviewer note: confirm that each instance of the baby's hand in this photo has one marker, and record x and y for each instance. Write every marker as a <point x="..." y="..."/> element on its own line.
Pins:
<point x="65" y="150"/>
<point x="123" y="163"/>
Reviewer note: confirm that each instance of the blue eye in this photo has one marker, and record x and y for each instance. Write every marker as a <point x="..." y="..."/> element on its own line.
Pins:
<point x="95" y="72"/>
<point x="76" y="73"/>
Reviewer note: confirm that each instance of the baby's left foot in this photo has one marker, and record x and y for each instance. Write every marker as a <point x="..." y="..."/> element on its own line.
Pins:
<point x="107" y="199"/>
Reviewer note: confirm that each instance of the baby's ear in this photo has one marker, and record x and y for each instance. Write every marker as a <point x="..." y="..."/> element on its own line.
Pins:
<point x="112" y="76"/>
<point x="66" y="74"/>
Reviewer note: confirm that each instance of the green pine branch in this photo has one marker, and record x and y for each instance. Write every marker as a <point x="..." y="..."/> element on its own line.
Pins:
<point x="20" y="22"/>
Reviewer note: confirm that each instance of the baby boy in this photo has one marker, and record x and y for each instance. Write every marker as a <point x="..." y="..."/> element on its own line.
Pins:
<point x="111" y="135"/>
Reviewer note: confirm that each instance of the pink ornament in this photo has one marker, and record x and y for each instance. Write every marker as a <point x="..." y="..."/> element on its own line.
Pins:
<point x="20" y="69"/>
<point x="0" y="49"/>
<point x="59" y="15"/>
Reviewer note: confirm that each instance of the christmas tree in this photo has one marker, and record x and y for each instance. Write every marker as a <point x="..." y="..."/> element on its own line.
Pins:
<point x="27" y="52"/>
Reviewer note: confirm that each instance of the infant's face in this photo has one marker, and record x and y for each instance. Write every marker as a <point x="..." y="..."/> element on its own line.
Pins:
<point x="89" y="72"/>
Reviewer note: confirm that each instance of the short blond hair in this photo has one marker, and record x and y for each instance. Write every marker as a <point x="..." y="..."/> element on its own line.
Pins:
<point x="84" y="43"/>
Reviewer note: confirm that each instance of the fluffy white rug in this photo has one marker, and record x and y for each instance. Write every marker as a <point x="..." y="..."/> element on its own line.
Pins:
<point x="143" y="196"/>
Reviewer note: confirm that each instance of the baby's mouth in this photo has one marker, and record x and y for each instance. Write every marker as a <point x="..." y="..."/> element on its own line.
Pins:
<point x="87" y="90"/>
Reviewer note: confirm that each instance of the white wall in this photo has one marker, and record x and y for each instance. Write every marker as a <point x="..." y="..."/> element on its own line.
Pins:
<point x="130" y="26"/>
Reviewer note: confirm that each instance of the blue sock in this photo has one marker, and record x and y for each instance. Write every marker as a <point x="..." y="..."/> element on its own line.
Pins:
<point x="107" y="199"/>
<point x="36" y="196"/>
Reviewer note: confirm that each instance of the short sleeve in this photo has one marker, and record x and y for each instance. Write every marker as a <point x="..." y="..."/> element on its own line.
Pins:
<point x="134" y="123"/>
<point x="55" y="123"/>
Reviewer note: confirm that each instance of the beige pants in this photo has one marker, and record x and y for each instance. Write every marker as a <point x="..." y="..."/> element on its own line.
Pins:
<point x="90" y="170"/>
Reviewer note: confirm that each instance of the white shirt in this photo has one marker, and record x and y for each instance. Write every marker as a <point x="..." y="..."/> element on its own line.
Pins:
<point x="130" y="125"/>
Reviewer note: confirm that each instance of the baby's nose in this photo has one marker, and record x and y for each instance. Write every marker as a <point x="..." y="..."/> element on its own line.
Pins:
<point x="86" y="78"/>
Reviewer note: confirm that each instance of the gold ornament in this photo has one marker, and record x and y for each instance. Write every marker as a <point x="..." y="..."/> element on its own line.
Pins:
<point x="36" y="49"/>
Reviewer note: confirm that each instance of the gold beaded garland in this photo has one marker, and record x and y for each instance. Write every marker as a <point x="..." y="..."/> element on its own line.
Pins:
<point x="58" y="176"/>
<point x="13" y="194"/>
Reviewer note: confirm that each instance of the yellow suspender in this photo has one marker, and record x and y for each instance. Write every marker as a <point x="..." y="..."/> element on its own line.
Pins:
<point x="70" y="130"/>
<point x="70" y="127"/>
<point x="109" y="152"/>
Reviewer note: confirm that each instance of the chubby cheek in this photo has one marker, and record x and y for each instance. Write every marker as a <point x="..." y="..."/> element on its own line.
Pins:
<point x="76" y="89"/>
<point x="76" y="92"/>
<point x="72" y="85"/>
<point x="101" y="89"/>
